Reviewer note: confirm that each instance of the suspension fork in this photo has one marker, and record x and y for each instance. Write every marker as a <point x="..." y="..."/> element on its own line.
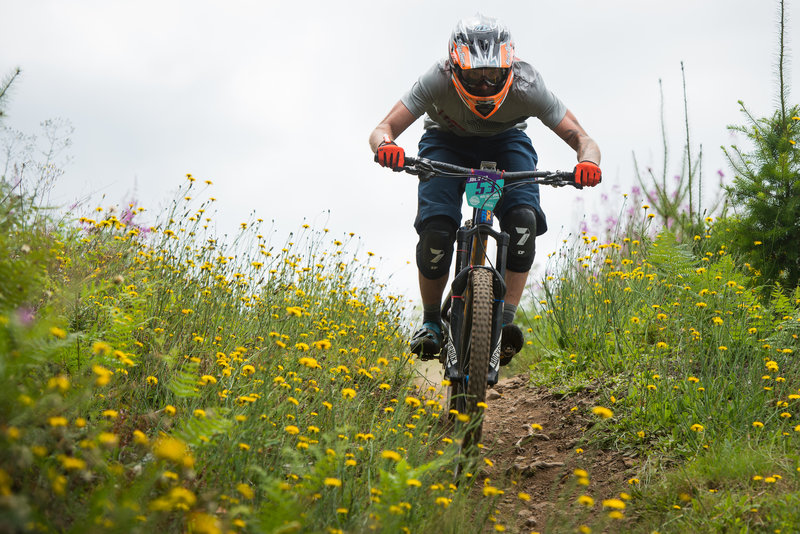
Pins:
<point x="468" y="237"/>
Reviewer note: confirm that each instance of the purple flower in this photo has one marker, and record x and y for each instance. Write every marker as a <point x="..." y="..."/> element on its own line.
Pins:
<point x="25" y="315"/>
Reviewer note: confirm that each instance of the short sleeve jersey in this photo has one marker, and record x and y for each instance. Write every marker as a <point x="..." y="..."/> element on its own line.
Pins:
<point x="528" y="96"/>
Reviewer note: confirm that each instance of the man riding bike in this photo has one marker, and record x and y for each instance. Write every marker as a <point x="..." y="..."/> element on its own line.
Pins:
<point x="477" y="101"/>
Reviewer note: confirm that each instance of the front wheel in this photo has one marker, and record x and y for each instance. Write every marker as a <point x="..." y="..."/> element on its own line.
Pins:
<point x="481" y="297"/>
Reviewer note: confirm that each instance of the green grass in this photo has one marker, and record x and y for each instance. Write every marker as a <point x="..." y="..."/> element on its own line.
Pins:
<point x="697" y="365"/>
<point x="160" y="378"/>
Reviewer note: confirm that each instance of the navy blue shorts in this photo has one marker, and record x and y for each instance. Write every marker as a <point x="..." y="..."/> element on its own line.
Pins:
<point x="511" y="150"/>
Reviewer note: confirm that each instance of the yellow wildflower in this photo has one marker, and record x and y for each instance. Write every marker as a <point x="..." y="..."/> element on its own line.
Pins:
<point x="605" y="413"/>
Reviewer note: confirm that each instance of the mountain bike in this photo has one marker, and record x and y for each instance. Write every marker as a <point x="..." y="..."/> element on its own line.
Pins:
<point x="472" y="313"/>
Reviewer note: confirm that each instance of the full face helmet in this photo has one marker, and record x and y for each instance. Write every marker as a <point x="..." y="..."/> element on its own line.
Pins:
<point x="481" y="57"/>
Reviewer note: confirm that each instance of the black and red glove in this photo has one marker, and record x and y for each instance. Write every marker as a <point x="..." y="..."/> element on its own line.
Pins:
<point x="390" y="155"/>
<point x="588" y="173"/>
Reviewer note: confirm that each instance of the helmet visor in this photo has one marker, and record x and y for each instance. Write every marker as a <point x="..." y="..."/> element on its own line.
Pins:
<point x="484" y="81"/>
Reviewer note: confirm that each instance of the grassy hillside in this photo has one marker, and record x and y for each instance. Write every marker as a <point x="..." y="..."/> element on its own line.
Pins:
<point x="697" y="375"/>
<point x="156" y="378"/>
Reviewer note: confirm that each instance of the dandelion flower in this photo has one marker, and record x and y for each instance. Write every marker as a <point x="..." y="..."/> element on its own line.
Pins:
<point x="103" y="375"/>
<point x="322" y="344"/>
<point x="57" y="332"/>
<point x="413" y="402"/>
<point x="173" y="449"/>
<point x="348" y="393"/>
<point x="108" y="439"/>
<point x="140" y="438"/>
<point x="616" y="504"/>
<point x="69" y="463"/>
<point x="390" y="455"/>
<point x="58" y="421"/>
<point x="309" y="362"/>
<point x="758" y="424"/>
<point x="333" y="482"/>
<point x="605" y="413"/>
<point x="697" y="428"/>
<point x="101" y="347"/>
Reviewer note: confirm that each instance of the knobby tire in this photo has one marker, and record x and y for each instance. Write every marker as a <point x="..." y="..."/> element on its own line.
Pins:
<point x="480" y="350"/>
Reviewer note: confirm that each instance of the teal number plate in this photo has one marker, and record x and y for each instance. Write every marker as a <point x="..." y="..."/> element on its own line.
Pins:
<point x="483" y="191"/>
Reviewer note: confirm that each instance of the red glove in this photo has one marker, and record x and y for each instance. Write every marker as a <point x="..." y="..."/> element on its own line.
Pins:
<point x="587" y="173"/>
<point x="390" y="155"/>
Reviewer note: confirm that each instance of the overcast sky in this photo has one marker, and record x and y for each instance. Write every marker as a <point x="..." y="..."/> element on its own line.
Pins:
<point x="274" y="101"/>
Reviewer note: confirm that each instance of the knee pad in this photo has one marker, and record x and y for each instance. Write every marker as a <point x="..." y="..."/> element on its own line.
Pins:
<point x="520" y="224"/>
<point x="435" y="247"/>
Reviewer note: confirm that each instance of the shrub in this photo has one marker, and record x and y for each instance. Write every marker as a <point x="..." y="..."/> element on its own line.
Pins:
<point x="765" y="194"/>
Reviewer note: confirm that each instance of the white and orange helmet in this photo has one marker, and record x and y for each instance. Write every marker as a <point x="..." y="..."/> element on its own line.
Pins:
<point x="481" y="60"/>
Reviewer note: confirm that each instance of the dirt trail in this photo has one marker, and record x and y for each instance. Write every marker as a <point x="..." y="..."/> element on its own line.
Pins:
<point x="542" y="461"/>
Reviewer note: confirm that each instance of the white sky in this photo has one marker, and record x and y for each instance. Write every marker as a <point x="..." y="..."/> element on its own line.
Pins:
<point x="274" y="101"/>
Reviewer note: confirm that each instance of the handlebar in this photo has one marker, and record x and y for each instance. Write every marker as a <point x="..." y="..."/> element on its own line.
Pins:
<point x="427" y="169"/>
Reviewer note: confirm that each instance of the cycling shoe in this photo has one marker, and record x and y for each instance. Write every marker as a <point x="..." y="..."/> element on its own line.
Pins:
<point x="510" y="343"/>
<point x="427" y="341"/>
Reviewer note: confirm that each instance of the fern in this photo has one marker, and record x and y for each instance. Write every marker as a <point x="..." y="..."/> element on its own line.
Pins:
<point x="196" y="430"/>
<point x="672" y="258"/>
<point x="781" y="304"/>
<point x="184" y="383"/>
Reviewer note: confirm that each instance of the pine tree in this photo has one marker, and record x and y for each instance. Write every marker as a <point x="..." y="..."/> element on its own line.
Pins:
<point x="5" y="86"/>
<point x="765" y="194"/>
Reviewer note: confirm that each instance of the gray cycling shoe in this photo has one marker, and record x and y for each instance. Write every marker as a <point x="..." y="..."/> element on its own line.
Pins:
<point x="427" y="341"/>
<point x="511" y="343"/>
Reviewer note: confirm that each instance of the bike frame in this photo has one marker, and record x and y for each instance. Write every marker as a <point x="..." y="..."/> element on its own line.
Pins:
<point x="471" y="246"/>
<point x="470" y="277"/>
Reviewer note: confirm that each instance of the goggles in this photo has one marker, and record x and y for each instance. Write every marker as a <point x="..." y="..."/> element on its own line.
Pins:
<point x="474" y="78"/>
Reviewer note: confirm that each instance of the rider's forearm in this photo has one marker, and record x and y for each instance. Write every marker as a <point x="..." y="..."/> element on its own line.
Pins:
<point x="379" y="134"/>
<point x="395" y="123"/>
<point x="588" y="150"/>
<point x="576" y="137"/>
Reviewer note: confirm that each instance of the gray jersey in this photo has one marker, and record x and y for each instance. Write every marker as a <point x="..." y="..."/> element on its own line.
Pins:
<point x="435" y="95"/>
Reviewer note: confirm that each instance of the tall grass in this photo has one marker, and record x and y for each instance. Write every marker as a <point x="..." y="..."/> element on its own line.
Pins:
<point x="688" y="359"/>
<point x="159" y="377"/>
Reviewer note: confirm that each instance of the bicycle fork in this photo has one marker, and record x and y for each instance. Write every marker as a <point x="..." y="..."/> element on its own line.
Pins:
<point x="456" y="356"/>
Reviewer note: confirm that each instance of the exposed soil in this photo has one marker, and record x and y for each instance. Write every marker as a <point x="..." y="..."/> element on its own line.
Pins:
<point x="542" y="462"/>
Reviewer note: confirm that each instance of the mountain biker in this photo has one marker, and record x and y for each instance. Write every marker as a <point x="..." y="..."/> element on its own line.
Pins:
<point x="477" y="101"/>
